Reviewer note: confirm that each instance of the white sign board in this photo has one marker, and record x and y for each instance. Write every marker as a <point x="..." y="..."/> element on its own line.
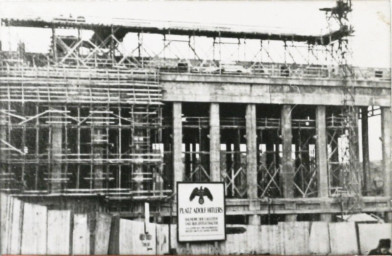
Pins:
<point x="200" y="212"/>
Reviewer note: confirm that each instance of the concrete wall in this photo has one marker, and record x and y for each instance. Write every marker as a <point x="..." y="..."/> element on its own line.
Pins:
<point x="242" y="89"/>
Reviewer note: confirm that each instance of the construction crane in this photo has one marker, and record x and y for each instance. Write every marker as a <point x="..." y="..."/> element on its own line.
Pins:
<point x="340" y="11"/>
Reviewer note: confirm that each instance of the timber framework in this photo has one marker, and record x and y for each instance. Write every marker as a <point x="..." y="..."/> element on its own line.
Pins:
<point x="116" y="128"/>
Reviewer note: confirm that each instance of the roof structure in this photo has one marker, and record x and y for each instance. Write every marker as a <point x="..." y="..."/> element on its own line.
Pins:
<point x="123" y="26"/>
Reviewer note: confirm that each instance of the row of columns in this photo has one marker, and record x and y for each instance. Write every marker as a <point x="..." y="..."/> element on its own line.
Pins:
<point x="288" y="171"/>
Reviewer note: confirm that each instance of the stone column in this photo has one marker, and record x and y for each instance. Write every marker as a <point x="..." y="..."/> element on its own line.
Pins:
<point x="178" y="166"/>
<point x="322" y="155"/>
<point x="386" y="123"/>
<point x="56" y="151"/>
<point x="287" y="171"/>
<point x="98" y="151"/>
<point x="251" y="159"/>
<point x="214" y="142"/>
<point x="365" y="149"/>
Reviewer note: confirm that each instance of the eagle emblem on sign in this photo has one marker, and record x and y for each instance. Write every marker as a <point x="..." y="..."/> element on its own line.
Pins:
<point x="201" y="192"/>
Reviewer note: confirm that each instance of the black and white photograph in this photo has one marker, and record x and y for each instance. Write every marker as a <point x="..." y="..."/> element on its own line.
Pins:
<point x="195" y="127"/>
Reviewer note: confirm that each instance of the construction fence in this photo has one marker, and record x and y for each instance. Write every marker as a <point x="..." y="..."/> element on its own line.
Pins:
<point x="34" y="229"/>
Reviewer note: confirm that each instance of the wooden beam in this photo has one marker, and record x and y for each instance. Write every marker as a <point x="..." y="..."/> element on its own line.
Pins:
<point x="214" y="143"/>
<point x="178" y="166"/>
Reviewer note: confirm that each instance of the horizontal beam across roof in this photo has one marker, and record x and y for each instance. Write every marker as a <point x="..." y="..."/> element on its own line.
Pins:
<point x="189" y="29"/>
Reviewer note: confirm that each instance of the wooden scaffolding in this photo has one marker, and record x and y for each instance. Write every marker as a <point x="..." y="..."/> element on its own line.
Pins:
<point x="81" y="131"/>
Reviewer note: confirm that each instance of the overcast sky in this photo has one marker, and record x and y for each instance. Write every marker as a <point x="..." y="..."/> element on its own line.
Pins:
<point x="370" y="18"/>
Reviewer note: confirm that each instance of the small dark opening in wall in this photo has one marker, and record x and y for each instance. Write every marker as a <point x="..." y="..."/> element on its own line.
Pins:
<point x="235" y="230"/>
<point x="378" y="74"/>
<point x="271" y="219"/>
<point x="308" y="217"/>
<point x="237" y="219"/>
<point x="284" y="71"/>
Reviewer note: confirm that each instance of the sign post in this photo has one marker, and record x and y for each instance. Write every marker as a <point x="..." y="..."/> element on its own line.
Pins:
<point x="201" y="212"/>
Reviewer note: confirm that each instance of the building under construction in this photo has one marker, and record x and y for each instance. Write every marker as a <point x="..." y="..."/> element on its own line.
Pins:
<point x="90" y="127"/>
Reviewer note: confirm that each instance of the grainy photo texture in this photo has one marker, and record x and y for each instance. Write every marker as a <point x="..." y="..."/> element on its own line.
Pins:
<point x="195" y="127"/>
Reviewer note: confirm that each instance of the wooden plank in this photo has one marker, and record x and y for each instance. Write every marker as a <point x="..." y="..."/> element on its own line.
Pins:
<point x="242" y="243"/>
<point x="275" y="240"/>
<point x="226" y="246"/>
<point x="15" y="236"/>
<point x="102" y="233"/>
<point x="136" y="238"/>
<point x="205" y="248"/>
<point x="162" y="239"/>
<point x="125" y="237"/>
<point x="236" y="244"/>
<point x="264" y="237"/>
<point x="180" y="247"/>
<point x="319" y="238"/>
<point x="59" y="228"/>
<point x="252" y="236"/>
<point x="270" y="239"/>
<point x="80" y="235"/>
<point x="34" y="229"/>
<point x="294" y="237"/>
<point x="4" y="222"/>
<point x="214" y="142"/>
<point x="114" y="242"/>
<point x="343" y="239"/>
<point x="370" y="234"/>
